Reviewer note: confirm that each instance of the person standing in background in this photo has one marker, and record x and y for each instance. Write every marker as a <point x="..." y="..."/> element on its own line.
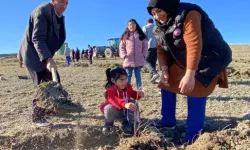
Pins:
<point x="72" y="55"/>
<point x="77" y="54"/>
<point x="90" y="53"/>
<point x="152" y="51"/>
<point x="133" y="50"/>
<point x="67" y="55"/>
<point x="82" y="54"/>
<point x="95" y="52"/>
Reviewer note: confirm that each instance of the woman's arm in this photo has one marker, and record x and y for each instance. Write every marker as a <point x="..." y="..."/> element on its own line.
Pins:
<point x="122" y="49"/>
<point x="193" y="39"/>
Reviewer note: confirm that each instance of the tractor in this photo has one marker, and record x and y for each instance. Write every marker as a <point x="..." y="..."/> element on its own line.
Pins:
<point x="112" y="50"/>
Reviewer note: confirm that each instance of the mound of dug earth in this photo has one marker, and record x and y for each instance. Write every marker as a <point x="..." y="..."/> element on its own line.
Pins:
<point x="150" y="141"/>
<point x="52" y="96"/>
<point x="235" y="138"/>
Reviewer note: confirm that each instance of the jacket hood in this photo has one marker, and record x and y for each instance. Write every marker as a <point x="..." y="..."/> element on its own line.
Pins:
<point x="169" y="6"/>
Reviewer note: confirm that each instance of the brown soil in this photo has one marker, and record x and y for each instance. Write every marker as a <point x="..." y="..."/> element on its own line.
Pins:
<point x="52" y="96"/>
<point x="233" y="138"/>
<point x="226" y="127"/>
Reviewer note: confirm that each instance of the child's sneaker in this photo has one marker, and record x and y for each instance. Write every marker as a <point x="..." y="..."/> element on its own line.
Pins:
<point x="154" y="77"/>
<point x="106" y="130"/>
<point x="127" y="128"/>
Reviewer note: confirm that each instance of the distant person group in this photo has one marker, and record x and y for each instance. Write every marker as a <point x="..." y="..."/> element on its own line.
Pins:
<point x="72" y="55"/>
<point x="191" y="52"/>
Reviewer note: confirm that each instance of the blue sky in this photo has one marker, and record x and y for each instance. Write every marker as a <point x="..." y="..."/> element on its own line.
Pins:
<point x="93" y="22"/>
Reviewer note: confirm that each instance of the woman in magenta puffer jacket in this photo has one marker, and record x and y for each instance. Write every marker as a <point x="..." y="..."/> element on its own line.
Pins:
<point x="133" y="50"/>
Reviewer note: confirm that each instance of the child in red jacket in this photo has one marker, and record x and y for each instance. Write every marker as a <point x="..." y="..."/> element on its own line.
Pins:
<point x="118" y="105"/>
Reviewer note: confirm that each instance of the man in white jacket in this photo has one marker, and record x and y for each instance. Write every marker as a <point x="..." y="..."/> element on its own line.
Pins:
<point x="67" y="55"/>
<point x="152" y="51"/>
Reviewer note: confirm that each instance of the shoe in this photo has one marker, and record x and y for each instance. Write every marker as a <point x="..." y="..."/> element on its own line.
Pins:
<point x="41" y="123"/>
<point x="154" y="77"/>
<point x="106" y="130"/>
<point x="159" y="125"/>
<point x="127" y="128"/>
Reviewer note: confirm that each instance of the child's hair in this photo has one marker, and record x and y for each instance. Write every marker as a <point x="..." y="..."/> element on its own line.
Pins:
<point x="114" y="73"/>
<point x="115" y="65"/>
<point x="142" y="36"/>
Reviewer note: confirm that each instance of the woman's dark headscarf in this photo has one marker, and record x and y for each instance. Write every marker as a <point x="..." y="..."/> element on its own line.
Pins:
<point x="169" y="6"/>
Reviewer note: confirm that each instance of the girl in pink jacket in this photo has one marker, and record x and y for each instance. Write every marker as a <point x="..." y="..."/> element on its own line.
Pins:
<point x="133" y="50"/>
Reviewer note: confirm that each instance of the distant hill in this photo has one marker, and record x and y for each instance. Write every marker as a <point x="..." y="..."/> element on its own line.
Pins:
<point x="233" y="46"/>
<point x="13" y="55"/>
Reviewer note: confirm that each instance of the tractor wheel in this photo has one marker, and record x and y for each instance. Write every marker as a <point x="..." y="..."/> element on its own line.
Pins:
<point x="108" y="52"/>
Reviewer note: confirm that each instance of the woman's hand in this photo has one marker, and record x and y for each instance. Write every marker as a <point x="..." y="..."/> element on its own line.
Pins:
<point x="187" y="82"/>
<point x="165" y="75"/>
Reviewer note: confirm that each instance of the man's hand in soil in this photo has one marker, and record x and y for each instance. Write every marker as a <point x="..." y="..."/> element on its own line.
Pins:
<point x="130" y="106"/>
<point x="51" y="64"/>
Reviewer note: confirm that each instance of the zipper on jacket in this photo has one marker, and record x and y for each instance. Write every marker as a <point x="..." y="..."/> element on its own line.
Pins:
<point x="134" y="46"/>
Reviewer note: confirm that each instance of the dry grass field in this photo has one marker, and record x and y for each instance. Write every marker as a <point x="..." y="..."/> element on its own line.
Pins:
<point x="227" y="122"/>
